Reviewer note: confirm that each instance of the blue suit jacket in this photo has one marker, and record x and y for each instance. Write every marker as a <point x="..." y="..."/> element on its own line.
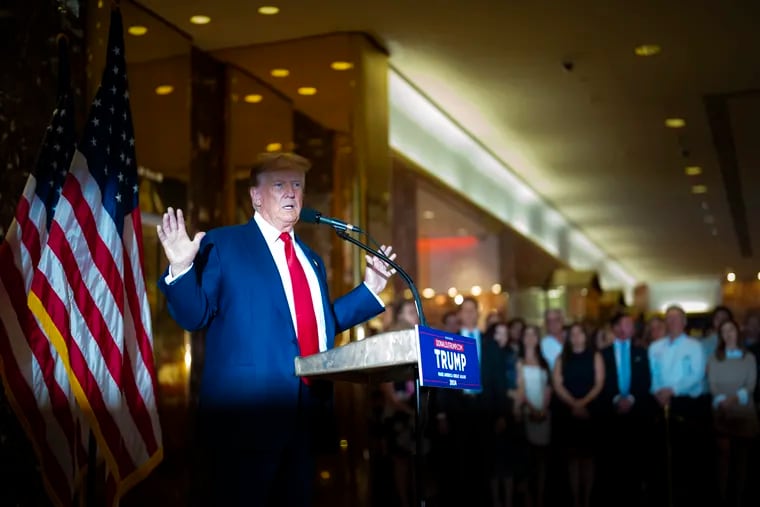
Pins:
<point x="249" y="393"/>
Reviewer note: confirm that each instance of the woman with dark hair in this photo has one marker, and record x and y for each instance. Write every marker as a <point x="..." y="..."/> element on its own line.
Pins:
<point x="578" y="380"/>
<point x="532" y="406"/>
<point x="732" y="375"/>
<point x="498" y="360"/>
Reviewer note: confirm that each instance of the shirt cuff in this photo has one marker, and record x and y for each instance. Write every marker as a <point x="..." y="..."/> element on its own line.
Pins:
<point x="743" y="396"/>
<point x="718" y="399"/>
<point x="373" y="293"/>
<point x="171" y="277"/>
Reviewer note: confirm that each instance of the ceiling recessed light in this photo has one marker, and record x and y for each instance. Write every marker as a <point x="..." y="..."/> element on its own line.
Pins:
<point x="428" y="293"/>
<point x="458" y="299"/>
<point x="647" y="50"/>
<point x="307" y="90"/>
<point x="428" y="214"/>
<point x="699" y="189"/>
<point x="200" y="19"/>
<point x="675" y="123"/>
<point x="693" y="170"/>
<point x="274" y="147"/>
<point x="280" y="72"/>
<point x="758" y="275"/>
<point x="268" y="10"/>
<point x="164" y="89"/>
<point x="496" y="288"/>
<point x="476" y="290"/>
<point x="452" y="292"/>
<point x="137" y="30"/>
<point x="253" y="98"/>
<point x="731" y="277"/>
<point x="341" y="65"/>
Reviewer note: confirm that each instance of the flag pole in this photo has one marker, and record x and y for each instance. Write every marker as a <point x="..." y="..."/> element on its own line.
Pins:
<point x="92" y="463"/>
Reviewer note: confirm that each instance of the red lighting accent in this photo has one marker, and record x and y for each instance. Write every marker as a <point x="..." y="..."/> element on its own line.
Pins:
<point x="446" y="243"/>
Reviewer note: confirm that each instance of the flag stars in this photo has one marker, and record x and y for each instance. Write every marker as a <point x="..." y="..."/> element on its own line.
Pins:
<point x="131" y="141"/>
<point x="105" y="169"/>
<point x="113" y="109"/>
<point x="135" y="189"/>
<point x="116" y="50"/>
<point x="115" y="71"/>
<point x="54" y="164"/>
<point x="113" y="90"/>
<point x="121" y="177"/>
<point x="96" y="103"/>
<point x="124" y="135"/>
<point x="63" y="113"/>
<point x="124" y="115"/>
<point x="57" y="147"/>
<point x="127" y="161"/>
<point x="59" y="129"/>
<point x="118" y="197"/>
<point x="121" y="156"/>
<point x="126" y="94"/>
<point x="94" y="142"/>
<point x="95" y="121"/>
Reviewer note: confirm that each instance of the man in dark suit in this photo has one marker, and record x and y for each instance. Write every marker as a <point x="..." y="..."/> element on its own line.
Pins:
<point x="262" y="297"/>
<point x="625" y="406"/>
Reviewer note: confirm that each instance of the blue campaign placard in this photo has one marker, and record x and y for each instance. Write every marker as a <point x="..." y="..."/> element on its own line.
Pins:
<point x="447" y="360"/>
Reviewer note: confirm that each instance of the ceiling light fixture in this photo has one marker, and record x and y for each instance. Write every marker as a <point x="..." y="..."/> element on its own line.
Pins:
<point x="496" y="288"/>
<point x="428" y="293"/>
<point x="307" y="90"/>
<point x="476" y="290"/>
<point x="137" y="30"/>
<point x="339" y="65"/>
<point x="274" y="147"/>
<point x="200" y="19"/>
<point x="452" y="292"/>
<point x="693" y="170"/>
<point x="731" y="276"/>
<point x="758" y="275"/>
<point x="699" y="189"/>
<point x="280" y="72"/>
<point x="675" y="123"/>
<point x="164" y="89"/>
<point x="253" y="98"/>
<point x="647" y="50"/>
<point x="268" y="10"/>
<point x="459" y="299"/>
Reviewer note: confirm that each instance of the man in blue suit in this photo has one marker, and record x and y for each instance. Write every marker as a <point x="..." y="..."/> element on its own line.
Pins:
<point x="262" y="297"/>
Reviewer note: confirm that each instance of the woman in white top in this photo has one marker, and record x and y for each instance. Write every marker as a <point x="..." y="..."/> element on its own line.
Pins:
<point x="532" y="405"/>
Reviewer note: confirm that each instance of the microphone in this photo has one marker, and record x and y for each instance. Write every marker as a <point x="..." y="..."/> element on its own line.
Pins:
<point x="313" y="216"/>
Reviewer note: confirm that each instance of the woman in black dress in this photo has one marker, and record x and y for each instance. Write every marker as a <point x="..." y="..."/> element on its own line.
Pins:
<point x="578" y="379"/>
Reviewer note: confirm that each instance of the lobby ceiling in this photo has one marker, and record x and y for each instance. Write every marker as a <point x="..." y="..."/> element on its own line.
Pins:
<point x="556" y="91"/>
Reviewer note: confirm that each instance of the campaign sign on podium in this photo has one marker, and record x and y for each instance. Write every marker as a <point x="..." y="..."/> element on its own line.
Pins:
<point x="447" y="360"/>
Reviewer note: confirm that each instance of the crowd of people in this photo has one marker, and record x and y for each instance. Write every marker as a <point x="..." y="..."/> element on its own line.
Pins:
<point x="635" y="413"/>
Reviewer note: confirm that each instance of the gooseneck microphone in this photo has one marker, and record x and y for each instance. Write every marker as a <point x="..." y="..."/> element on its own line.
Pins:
<point x="313" y="216"/>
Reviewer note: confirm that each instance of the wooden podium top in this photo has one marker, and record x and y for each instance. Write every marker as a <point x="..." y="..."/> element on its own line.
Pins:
<point x="384" y="357"/>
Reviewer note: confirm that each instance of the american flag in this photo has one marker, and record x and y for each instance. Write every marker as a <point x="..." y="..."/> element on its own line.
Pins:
<point x="89" y="293"/>
<point x="34" y="376"/>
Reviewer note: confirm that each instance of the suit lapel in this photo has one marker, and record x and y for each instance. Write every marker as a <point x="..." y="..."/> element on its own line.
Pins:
<point x="271" y="276"/>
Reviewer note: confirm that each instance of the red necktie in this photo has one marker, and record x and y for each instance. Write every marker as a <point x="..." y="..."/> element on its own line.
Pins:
<point x="306" y="320"/>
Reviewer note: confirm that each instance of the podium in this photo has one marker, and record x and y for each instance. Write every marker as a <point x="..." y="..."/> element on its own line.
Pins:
<point x="430" y="357"/>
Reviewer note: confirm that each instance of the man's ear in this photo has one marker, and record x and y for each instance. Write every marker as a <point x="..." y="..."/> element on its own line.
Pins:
<point x="255" y="196"/>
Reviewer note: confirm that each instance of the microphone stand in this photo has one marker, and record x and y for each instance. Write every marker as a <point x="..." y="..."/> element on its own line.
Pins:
<point x="419" y="489"/>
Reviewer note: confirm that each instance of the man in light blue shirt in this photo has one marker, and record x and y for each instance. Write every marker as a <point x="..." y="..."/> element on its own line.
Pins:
<point x="552" y="343"/>
<point x="678" y="363"/>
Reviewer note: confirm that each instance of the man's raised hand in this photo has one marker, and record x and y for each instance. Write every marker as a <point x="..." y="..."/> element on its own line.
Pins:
<point x="178" y="247"/>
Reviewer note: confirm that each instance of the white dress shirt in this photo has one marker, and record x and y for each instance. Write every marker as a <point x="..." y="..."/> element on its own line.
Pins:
<point x="678" y="364"/>
<point x="551" y="348"/>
